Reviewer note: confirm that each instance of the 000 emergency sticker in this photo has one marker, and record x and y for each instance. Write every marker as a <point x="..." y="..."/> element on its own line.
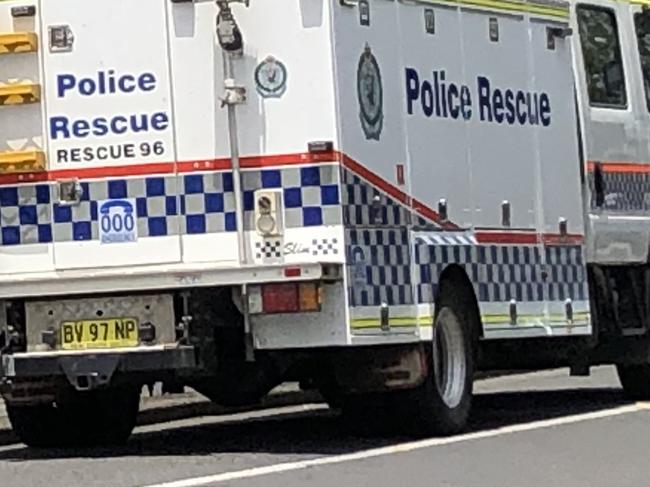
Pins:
<point x="117" y="221"/>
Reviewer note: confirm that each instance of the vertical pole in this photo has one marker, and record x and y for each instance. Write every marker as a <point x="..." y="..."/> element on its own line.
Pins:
<point x="234" y="157"/>
<point x="239" y="206"/>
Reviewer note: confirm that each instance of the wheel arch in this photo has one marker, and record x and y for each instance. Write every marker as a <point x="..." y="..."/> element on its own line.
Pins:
<point x="454" y="283"/>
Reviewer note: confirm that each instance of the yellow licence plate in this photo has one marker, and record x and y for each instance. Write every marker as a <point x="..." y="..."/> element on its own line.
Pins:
<point x="101" y="333"/>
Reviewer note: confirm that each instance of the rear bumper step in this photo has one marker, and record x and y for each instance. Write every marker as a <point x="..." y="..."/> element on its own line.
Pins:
<point x="26" y="366"/>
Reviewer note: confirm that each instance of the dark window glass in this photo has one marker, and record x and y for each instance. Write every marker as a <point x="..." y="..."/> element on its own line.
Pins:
<point x="601" y="52"/>
<point x="642" y="24"/>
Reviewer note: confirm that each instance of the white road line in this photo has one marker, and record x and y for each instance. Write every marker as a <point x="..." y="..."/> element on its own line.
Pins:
<point x="399" y="448"/>
<point x="238" y="418"/>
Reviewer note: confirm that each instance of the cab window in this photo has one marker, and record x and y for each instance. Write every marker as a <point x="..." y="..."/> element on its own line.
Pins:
<point x="601" y="52"/>
<point x="642" y="27"/>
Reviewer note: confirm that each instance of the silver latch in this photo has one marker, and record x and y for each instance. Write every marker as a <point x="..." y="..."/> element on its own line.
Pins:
<point x="568" y="311"/>
<point x="443" y="210"/>
<point x="61" y="38"/>
<point x="234" y="94"/>
<point x="505" y="213"/>
<point x="375" y="210"/>
<point x="70" y="192"/>
<point x="513" y="312"/>
<point x="384" y="313"/>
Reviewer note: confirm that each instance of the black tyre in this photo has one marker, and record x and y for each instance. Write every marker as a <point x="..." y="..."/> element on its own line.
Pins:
<point x="98" y="418"/>
<point x="635" y="380"/>
<point x="372" y="414"/>
<point x="441" y="405"/>
<point x="36" y="426"/>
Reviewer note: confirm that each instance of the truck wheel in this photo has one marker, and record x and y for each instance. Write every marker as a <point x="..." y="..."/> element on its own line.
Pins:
<point x="635" y="380"/>
<point x="36" y="426"/>
<point x="97" y="418"/>
<point x="371" y="414"/>
<point x="441" y="405"/>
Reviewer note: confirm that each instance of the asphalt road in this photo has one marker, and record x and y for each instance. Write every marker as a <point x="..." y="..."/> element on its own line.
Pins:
<point x="535" y="429"/>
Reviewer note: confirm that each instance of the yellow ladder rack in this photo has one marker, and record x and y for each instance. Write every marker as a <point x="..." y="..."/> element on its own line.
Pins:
<point x="20" y="93"/>
<point x="12" y="162"/>
<point x="18" y="42"/>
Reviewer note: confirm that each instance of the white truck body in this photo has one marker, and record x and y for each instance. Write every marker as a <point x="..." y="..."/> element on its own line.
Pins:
<point x="382" y="148"/>
<point x="132" y="112"/>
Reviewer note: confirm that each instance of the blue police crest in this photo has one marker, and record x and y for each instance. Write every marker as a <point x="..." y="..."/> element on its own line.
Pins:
<point x="370" y="93"/>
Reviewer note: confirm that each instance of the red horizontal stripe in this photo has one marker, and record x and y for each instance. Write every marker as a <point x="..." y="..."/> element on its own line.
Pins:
<point x="251" y="162"/>
<point x="621" y="167"/>
<point x="221" y="164"/>
<point x="528" y="238"/>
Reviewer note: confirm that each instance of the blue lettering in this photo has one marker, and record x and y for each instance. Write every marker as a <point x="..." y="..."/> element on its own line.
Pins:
<point x="105" y="83"/>
<point x="64" y="82"/>
<point x="412" y="88"/>
<point x="466" y="102"/>
<point x="140" y="123"/>
<point x="147" y="82"/>
<point x="531" y="101"/>
<point x="80" y="128"/>
<point x="497" y="102"/>
<point x="521" y="116"/>
<point x="59" y="127"/>
<point x="159" y="121"/>
<point x="127" y="83"/>
<point x="119" y="125"/>
<point x="444" y="94"/>
<point x="545" y="109"/>
<point x="443" y="98"/>
<point x="100" y="126"/>
<point x="484" y="98"/>
<point x="427" y="98"/>
<point x="454" y="105"/>
<point x="510" y="107"/>
<point x="87" y="87"/>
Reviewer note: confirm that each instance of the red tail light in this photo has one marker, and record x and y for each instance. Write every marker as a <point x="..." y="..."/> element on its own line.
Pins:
<point x="285" y="298"/>
<point x="280" y="298"/>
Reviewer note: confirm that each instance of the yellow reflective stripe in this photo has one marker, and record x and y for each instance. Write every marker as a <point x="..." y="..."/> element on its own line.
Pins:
<point x="395" y="322"/>
<point x="501" y="319"/>
<point x="637" y="2"/>
<point x="508" y="5"/>
<point x="487" y="319"/>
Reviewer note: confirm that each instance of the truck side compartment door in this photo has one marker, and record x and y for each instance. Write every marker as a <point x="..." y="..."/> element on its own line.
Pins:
<point x="110" y="133"/>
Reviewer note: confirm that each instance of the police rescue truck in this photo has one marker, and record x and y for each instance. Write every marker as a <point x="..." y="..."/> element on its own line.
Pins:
<point x="374" y="197"/>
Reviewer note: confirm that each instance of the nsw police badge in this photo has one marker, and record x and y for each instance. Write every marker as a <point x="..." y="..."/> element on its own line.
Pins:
<point x="271" y="78"/>
<point x="370" y="94"/>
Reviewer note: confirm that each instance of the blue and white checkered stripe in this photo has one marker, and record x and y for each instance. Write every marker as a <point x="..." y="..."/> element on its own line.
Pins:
<point x="378" y="274"/>
<point x="169" y="205"/>
<point x="25" y="214"/>
<point x="500" y="273"/>
<point x="156" y="206"/>
<point x="379" y="267"/>
<point x="363" y="204"/>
